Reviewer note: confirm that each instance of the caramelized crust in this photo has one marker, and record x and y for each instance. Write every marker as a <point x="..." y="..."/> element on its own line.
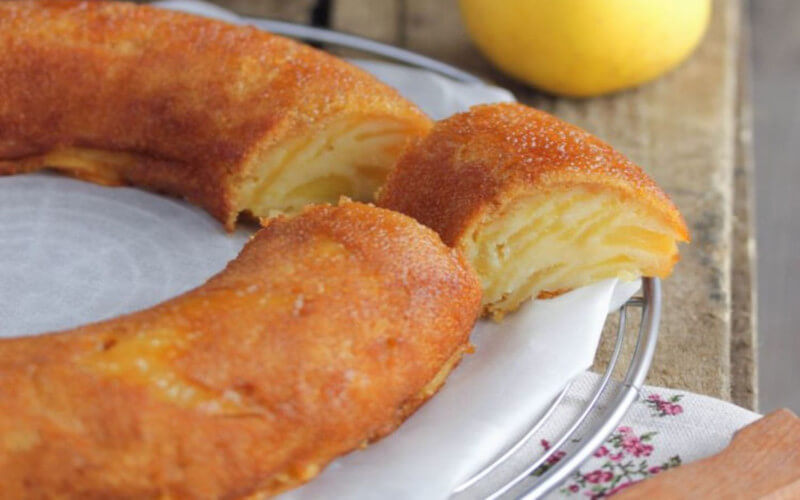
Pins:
<point x="531" y="200"/>
<point x="123" y="94"/>
<point x="327" y="331"/>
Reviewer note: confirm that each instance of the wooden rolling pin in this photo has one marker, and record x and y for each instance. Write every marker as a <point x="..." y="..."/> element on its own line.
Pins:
<point x="762" y="461"/>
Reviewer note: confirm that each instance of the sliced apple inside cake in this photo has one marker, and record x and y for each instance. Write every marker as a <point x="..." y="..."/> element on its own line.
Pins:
<point x="538" y="206"/>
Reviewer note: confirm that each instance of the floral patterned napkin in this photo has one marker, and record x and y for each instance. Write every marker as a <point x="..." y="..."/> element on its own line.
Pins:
<point x="664" y="428"/>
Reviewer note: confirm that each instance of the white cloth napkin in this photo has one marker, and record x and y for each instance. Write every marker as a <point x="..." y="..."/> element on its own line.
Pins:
<point x="664" y="428"/>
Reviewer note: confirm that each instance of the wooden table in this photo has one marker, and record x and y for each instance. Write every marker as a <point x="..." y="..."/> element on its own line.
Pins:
<point x="690" y="130"/>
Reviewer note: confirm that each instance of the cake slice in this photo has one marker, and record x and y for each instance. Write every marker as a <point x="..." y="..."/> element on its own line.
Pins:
<point x="537" y="205"/>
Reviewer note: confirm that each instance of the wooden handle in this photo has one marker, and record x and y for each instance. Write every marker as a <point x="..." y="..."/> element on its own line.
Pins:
<point x="762" y="461"/>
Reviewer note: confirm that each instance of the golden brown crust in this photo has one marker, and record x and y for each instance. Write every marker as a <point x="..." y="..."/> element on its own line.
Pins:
<point x="187" y="99"/>
<point x="474" y="161"/>
<point x="324" y="333"/>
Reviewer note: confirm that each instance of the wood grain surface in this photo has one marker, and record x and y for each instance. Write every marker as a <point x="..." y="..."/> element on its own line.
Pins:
<point x="744" y="298"/>
<point x="683" y="129"/>
<point x="299" y="11"/>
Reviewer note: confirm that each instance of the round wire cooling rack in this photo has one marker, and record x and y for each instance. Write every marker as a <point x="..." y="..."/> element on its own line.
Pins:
<point x="510" y="474"/>
<point x="597" y="419"/>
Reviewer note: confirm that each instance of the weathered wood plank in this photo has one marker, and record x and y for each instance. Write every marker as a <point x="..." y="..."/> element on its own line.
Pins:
<point x="744" y="340"/>
<point x="294" y="10"/>
<point x="380" y="19"/>
<point x="435" y="29"/>
<point x="682" y="129"/>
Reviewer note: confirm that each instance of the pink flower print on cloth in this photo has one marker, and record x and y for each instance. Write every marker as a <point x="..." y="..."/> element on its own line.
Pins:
<point x="624" y="458"/>
<point x="662" y="407"/>
<point x="622" y="462"/>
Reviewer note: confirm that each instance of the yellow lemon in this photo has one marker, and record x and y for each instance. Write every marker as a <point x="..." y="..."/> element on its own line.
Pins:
<point x="586" y="47"/>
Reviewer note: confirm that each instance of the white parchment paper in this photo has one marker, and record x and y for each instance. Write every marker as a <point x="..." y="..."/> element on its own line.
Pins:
<point x="72" y="253"/>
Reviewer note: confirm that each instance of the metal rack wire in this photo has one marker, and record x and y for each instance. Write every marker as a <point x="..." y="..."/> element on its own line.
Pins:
<point x="609" y="401"/>
<point x="595" y="422"/>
